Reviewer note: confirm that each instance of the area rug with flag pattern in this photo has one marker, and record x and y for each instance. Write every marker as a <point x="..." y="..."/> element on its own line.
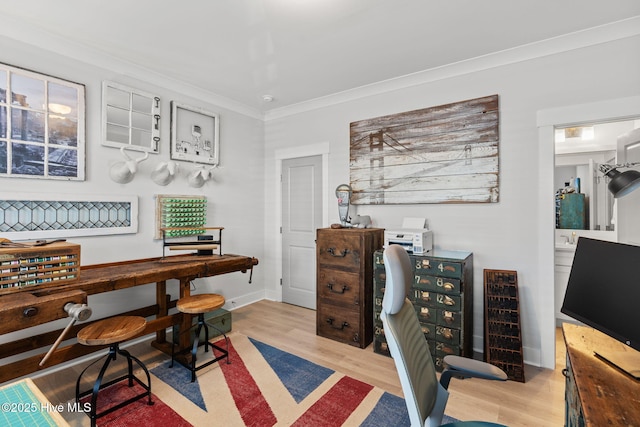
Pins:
<point x="262" y="386"/>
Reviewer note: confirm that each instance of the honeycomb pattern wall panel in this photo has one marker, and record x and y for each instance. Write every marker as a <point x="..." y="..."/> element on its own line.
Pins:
<point x="32" y="216"/>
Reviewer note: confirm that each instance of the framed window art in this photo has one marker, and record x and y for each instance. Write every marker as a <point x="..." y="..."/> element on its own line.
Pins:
<point x="42" y="127"/>
<point x="194" y="134"/>
<point x="130" y="118"/>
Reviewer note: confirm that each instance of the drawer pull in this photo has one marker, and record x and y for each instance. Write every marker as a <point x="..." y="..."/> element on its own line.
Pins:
<point x="30" y="311"/>
<point x="423" y="264"/>
<point x="445" y="332"/>
<point x="448" y="316"/>
<point x="448" y="286"/>
<point x="344" y="288"/>
<point x="339" y="328"/>
<point x="342" y="254"/>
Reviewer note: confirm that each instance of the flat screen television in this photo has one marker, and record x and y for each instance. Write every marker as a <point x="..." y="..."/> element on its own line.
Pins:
<point x="604" y="292"/>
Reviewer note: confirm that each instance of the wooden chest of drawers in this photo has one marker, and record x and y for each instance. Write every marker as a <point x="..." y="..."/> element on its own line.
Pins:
<point x="344" y="283"/>
<point x="442" y="294"/>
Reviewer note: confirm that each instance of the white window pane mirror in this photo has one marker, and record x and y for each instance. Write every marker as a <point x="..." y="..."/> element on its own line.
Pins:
<point x="130" y="118"/>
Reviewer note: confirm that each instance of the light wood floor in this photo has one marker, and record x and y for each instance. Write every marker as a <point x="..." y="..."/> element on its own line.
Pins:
<point x="537" y="402"/>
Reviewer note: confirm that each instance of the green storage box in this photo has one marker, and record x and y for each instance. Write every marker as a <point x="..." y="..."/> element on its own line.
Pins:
<point x="219" y="318"/>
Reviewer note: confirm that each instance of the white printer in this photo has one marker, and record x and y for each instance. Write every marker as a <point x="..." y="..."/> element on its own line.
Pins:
<point x="412" y="236"/>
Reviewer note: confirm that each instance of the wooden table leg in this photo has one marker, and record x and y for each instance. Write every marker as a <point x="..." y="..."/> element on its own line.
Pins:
<point x="185" y="338"/>
<point x="163" y="310"/>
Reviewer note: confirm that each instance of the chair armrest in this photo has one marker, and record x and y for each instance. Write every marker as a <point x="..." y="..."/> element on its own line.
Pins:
<point x="470" y="368"/>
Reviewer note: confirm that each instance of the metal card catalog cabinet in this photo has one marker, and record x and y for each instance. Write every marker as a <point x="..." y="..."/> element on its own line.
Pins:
<point x="442" y="295"/>
<point x="344" y="283"/>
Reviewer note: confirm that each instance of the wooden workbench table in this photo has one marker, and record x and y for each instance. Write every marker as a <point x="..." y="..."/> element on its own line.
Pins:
<point x="102" y="278"/>
<point x="598" y="394"/>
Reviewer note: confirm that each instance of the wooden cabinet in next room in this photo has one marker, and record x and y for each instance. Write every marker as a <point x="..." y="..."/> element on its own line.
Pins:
<point x="344" y="259"/>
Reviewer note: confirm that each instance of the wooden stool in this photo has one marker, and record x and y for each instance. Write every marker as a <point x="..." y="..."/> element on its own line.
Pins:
<point x="111" y="332"/>
<point x="201" y="304"/>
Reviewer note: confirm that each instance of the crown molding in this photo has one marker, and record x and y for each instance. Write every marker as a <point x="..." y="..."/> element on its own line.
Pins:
<point x="592" y="36"/>
<point x="39" y="38"/>
<point x="34" y="36"/>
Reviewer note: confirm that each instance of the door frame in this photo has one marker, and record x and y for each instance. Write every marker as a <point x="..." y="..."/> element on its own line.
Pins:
<point x="547" y="119"/>
<point x="320" y="149"/>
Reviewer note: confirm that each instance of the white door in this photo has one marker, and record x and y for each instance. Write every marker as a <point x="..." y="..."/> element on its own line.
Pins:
<point x="301" y="217"/>
<point x="628" y="206"/>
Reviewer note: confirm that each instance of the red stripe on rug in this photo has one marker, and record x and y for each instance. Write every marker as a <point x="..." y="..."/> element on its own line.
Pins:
<point x="253" y="407"/>
<point x="138" y="413"/>
<point x="336" y="405"/>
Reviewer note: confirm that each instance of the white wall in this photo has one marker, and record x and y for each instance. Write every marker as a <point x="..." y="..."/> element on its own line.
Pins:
<point x="235" y="196"/>
<point x="504" y="235"/>
<point x="510" y="234"/>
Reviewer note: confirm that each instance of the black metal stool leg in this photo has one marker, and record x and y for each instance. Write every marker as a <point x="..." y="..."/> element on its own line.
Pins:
<point x="194" y="349"/>
<point x="98" y="385"/>
<point x="129" y="366"/>
<point x="130" y="358"/>
<point x="191" y="365"/>
<point x="82" y="373"/>
<point x="226" y="339"/>
<point x="206" y="332"/>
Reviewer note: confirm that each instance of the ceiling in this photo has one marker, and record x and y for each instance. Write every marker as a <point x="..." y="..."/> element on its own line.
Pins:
<point x="300" y="50"/>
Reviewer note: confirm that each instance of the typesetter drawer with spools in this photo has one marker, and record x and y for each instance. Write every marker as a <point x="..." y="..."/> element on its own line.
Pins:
<point x="344" y="283"/>
<point x="37" y="265"/>
<point x="442" y="295"/>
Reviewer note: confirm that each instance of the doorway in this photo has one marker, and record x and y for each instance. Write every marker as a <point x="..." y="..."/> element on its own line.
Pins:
<point x="548" y="120"/>
<point x="302" y="210"/>
<point x="580" y="151"/>
<point x="628" y="224"/>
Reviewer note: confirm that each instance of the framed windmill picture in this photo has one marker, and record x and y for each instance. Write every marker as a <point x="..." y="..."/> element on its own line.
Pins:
<point x="194" y="134"/>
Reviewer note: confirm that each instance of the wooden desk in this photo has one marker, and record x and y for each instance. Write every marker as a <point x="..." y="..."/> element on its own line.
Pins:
<point x="102" y="278"/>
<point x="597" y="394"/>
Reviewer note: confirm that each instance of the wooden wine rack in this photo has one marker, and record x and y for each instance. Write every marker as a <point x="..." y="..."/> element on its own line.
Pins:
<point x="502" y="332"/>
<point x="42" y="266"/>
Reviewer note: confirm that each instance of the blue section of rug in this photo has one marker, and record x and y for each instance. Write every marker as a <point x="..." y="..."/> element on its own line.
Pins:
<point x="390" y="411"/>
<point x="179" y="378"/>
<point x="446" y="419"/>
<point x="298" y="375"/>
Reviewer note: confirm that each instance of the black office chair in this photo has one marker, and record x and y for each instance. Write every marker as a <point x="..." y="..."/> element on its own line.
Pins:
<point x="425" y="397"/>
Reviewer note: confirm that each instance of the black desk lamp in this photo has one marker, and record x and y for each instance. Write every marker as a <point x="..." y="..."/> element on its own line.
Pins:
<point x="622" y="183"/>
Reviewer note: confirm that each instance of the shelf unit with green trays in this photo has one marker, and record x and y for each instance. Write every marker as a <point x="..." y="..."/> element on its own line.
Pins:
<point x="180" y="217"/>
<point x="442" y="295"/>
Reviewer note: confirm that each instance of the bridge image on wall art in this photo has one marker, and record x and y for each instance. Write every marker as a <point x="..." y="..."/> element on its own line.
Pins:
<point x="443" y="154"/>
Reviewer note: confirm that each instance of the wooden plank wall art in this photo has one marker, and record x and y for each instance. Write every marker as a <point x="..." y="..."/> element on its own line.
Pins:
<point x="443" y="154"/>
